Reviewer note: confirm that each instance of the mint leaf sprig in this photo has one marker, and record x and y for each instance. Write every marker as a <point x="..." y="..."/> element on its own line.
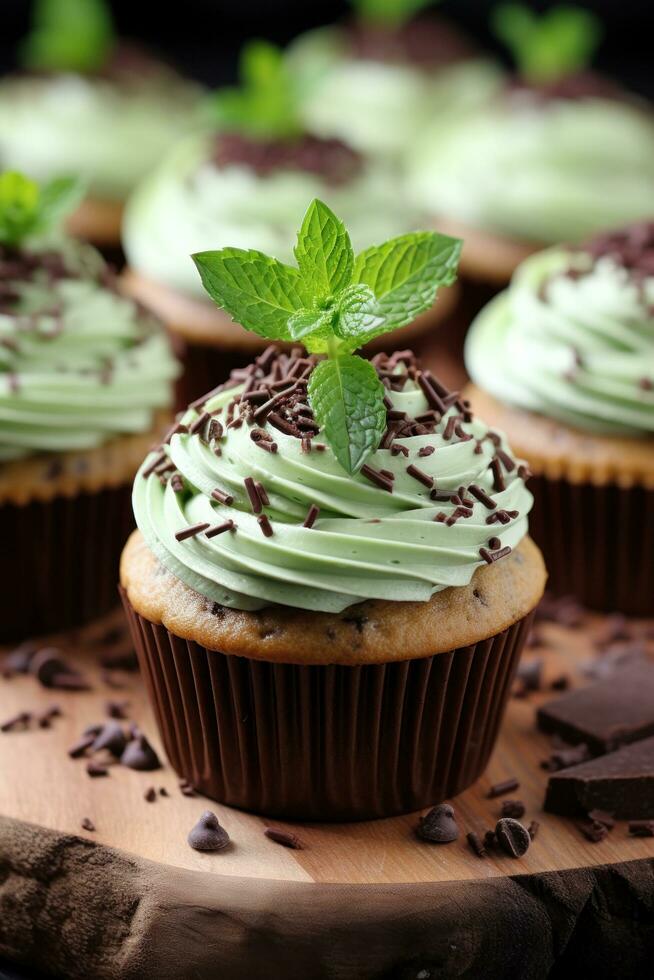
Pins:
<point x="334" y="302"/>
<point x="388" y="13"/>
<point x="267" y="103"/>
<point x="69" y="35"/>
<point x="550" y="46"/>
<point x="27" y="210"/>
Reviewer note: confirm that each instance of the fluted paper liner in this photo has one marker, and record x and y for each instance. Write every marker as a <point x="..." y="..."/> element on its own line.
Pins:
<point x="597" y="541"/>
<point x="59" y="560"/>
<point x="328" y="742"/>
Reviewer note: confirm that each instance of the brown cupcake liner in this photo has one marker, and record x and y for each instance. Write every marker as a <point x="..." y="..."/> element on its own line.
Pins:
<point x="205" y="367"/>
<point x="59" y="560"/>
<point x="327" y="742"/>
<point x="598" y="542"/>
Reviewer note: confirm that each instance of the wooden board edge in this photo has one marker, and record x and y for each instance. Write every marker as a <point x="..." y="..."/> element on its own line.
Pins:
<point x="71" y="907"/>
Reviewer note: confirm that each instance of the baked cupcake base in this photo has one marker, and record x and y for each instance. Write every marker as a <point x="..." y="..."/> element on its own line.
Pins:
<point x="63" y="521"/>
<point x="593" y="514"/>
<point x="383" y="709"/>
<point x="211" y="345"/>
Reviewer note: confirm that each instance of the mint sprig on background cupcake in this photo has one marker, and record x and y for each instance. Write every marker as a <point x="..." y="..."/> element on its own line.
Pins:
<point x="243" y="184"/>
<point x="85" y="378"/>
<point x="87" y="103"/>
<point x="334" y="303"/>
<point x="327" y="546"/>
<point x="561" y="154"/>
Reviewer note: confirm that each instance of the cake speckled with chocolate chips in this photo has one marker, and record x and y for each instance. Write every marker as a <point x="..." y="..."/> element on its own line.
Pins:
<point x="563" y="362"/>
<point x="332" y="563"/>
<point x="86" y="384"/>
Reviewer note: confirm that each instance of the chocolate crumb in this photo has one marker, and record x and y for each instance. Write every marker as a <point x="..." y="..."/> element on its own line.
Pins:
<point x="163" y="791"/>
<point x="150" y="794"/>
<point x="17" y="722"/>
<point x="284" y="837"/>
<point x="593" y="830"/>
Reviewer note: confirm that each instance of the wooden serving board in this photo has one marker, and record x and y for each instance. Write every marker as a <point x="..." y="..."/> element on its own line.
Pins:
<point x="156" y="908"/>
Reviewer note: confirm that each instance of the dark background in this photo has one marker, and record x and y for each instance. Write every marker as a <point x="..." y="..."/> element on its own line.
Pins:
<point x="204" y="36"/>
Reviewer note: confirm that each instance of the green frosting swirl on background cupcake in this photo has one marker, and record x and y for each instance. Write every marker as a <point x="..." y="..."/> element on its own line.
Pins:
<point x="541" y="171"/>
<point x="428" y="532"/>
<point x="78" y="362"/>
<point x="572" y="338"/>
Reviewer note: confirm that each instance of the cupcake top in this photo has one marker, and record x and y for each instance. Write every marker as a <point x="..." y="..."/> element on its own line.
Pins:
<point x="377" y="79"/>
<point x="572" y="338"/>
<point x="319" y="482"/>
<point x="559" y="155"/>
<point x="89" y="106"/>
<point x="79" y="363"/>
<point x="245" y="182"/>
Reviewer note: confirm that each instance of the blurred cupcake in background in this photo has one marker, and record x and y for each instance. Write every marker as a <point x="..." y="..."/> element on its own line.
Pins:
<point x="317" y="584"/>
<point x="563" y="363"/>
<point x="85" y="103"/>
<point x="559" y="155"/>
<point x="244" y="183"/>
<point x="376" y="79"/>
<point x="86" y="383"/>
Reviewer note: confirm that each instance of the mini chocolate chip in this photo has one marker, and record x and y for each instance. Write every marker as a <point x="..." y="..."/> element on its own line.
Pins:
<point x="207" y="834"/>
<point x="111" y="737"/>
<point x="512" y="837"/>
<point x="150" y="794"/>
<point x="139" y="754"/>
<point x="438" y="826"/>
<point x="513" y="808"/>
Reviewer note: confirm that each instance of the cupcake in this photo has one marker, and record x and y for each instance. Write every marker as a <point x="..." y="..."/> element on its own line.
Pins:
<point x="243" y="184"/>
<point x="377" y="79"/>
<point x="559" y="155"/>
<point x="330" y="593"/>
<point x="563" y="362"/>
<point x="85" y="388"/>
<point x="88" y="105"/>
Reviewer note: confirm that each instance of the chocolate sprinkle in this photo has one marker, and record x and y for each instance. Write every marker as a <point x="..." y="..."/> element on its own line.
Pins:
<point x="501" y="789"/>
<point x="190" y="532"/>
<point x="284" y="837"/>
<point x="312" y="516"/>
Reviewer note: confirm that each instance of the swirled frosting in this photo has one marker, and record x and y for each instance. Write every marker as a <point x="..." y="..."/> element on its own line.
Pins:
<point x="572" y="338"/>
<point x="193" y="202"/>
<point x="78" y="362"/>
<point x="380" y="106"/>
<point x="246" y="505"/>
<point x="109" y="132"/>
<point x="539" y="170"/>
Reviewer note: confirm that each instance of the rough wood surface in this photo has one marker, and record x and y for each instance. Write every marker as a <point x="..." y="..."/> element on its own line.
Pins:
<point x="360" y="900"/>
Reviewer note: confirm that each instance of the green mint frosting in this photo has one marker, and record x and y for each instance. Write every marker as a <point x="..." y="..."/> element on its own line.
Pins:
<point x="572" y="338"/>
<point x="365" y="543"/>
<point x="109" y="132"/>
<point x="542" y="172"/>
<point x="78" y="362"/>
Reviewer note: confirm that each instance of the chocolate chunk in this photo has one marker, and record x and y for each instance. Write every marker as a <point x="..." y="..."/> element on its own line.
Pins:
<point x="621" y="783"/>
<point x="208" y="835"/>
<point x="284" y="837"/>
<point x="641" y="828"/>
<point x="139" y="754"/>
<point x="513" y="808"/>
<point x="500" y="789"/>
<point x="593" y="831"/>
<point x="111" y="737"/>
<point x="606" y="714"/>
<point x="512" y="837"/>
<point x="601" y="816"/>
<point x="438" y="826"/>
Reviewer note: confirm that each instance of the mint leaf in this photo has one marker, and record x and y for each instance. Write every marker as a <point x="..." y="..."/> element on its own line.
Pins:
<point x="312" y="323"/>
<point x="69" y="35"/>
<point x="26" y="210"/>
<point x="347" y="399"/>
<point x="558" y="43"/>
<point x="256" y="290"/>
<point x="324" y="250"/>
<point x="267" y="103"/>
<point x="405" y="273"/>
<point x="390" y="13"/>
<point x="358" y="315"/>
